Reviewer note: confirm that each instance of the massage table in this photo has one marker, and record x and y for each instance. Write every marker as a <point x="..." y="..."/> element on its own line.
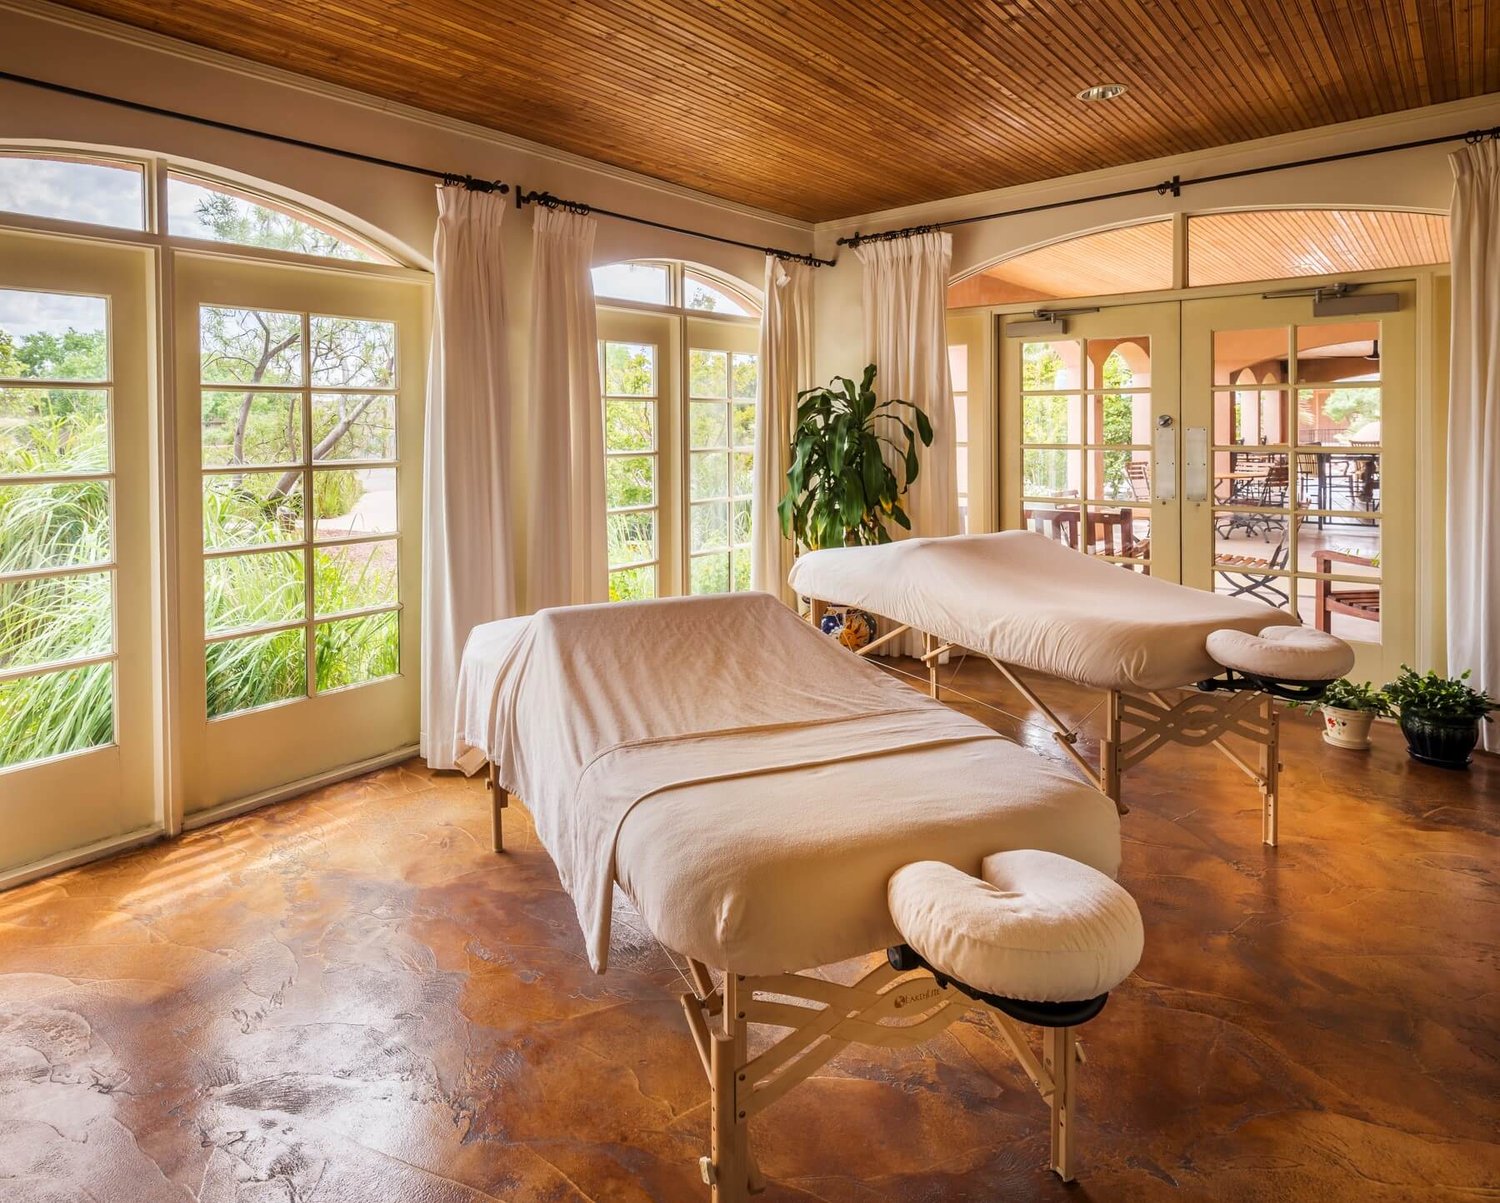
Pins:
<point x="770" y="805"/>
<point x="1024" y="601"/>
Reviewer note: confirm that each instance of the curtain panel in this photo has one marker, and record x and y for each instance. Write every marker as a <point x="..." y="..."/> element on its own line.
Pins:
<point x="1474" y="425"/>
<point x="467" y="564"/>
<point x="567" y="556"/>
<point x="906" y="337"/>
<point x="785" y="370"/>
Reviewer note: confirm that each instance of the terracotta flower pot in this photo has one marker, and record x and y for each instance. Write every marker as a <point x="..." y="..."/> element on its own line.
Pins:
<point x="1445" y="742"/>
<point x="1347" y="728"/>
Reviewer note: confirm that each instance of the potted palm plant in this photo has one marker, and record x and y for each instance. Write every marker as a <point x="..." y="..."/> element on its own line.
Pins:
<point x="840" y="489"/>
<point x="1349" y="709"/>
<point x="1439" y="716"/>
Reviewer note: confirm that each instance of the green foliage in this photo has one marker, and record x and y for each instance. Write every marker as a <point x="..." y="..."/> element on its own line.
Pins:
<point x="1345" y="694"/>
<point x="1432" y="696"/>
<point x="63" y="431"/>
<point x="839" y="487"/>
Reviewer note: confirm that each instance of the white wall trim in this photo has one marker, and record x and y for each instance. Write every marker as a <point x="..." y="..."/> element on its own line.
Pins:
<point x="281" y="793"/>
<point x="118" y="844"/>
<point x="99" y="850"/>
<point x="162" y="44"/>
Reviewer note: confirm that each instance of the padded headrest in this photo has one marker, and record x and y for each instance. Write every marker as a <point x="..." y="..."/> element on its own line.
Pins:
<point x="1283" y="653"/>
<point x="1034" y="925"/>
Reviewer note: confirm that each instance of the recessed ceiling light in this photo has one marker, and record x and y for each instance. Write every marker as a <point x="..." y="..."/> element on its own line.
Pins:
<point x="1102" y="92"/>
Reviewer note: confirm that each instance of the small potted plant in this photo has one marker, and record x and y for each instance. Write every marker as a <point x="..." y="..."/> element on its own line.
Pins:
<point x="1348" y="710"/>
<point x="1439" y="716"/>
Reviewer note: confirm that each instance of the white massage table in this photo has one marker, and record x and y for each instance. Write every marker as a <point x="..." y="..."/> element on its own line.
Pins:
<point x="761" y="797"/>
<point x="1025" y="601"/>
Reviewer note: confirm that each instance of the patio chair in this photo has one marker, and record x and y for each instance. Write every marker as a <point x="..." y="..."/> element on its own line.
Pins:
<point x="1059" y="524"/>
<point x="1332" y="597"/>
<point x="1139" y="479"/>
<point x="1251" y="576"/>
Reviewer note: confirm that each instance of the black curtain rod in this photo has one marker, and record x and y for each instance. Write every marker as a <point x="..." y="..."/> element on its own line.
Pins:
<point x="1174" y="186"/>
<point x="447" y="177"/>
<point x="548" y="201"/>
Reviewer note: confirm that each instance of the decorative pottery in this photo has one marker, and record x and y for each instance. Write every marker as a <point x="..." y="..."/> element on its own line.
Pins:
<point x="1445" y="742"/>
<point x="831" y="623"/>
<point x="1347" y="728"/>
<point x="858" y="629"/>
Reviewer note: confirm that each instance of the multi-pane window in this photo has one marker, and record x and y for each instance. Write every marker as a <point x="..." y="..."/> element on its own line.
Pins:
<point x="300" y="534"/>
<point x="722" y="390"/>
<point x="1085" y="439"/>
<point x="631" y="466"/>
<point x="680" y="372"/>
<point x="1297" y="455"/>
<point x="958" y="372"/>
<point x="58" y="648"/>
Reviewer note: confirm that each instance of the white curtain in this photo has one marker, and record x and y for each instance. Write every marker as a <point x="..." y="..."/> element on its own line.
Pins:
<point x="785" y="369"/>
<point x="567" y="559"/>
<point x="467" y="566"/>
<point x="1474" y="425"/>
<point x="906" y="337"/>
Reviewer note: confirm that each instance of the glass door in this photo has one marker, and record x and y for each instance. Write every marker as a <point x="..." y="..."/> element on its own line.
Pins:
<point x="1305" y="498"/>
<point x="638" y="355"/>
<point x="300" y="448"/>
<point x="77" y="696"/>
<point x="723" y="384"/>
<point x="1088" y="448"/>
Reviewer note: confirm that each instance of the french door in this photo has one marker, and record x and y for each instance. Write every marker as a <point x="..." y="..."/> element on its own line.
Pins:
<point x="1240" y="444"/>
<point x="77" y="460"/>
<point x="299" y="436"/>
<point x="1088" y="435"/>
<point x="679" y="437"/>
<point x="1306" y="500"/>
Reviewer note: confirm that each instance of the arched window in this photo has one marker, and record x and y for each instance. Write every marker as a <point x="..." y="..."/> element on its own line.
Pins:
<point x="679" y="362"/>
<point x="1222" y="248"/>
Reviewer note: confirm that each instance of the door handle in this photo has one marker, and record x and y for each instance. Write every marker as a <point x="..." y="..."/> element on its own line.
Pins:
<point x="1164" y="451"/>
<point x="1195" y="463"/>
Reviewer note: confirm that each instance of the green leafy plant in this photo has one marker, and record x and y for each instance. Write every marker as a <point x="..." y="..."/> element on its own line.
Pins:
<point x="840" y="489"/>
<point x="1432" y="696"/>
<point x="1345" y="694"/>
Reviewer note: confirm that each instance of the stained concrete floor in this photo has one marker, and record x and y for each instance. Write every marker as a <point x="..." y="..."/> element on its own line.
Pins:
<point x="347" y="997"/>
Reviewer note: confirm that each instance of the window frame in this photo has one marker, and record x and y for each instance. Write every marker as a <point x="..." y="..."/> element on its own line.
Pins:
<point x="674" y="504"/>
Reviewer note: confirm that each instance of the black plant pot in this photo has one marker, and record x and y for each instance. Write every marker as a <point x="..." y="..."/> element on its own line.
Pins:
<point x="1445" y="742"/>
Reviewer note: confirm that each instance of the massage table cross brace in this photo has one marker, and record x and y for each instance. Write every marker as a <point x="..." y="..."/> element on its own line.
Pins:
<point x="824" y="1020"/>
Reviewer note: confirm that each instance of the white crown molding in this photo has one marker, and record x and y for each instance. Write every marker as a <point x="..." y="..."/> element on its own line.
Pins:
<point x="161" y="44"/>
<point x="1403" y="126"/>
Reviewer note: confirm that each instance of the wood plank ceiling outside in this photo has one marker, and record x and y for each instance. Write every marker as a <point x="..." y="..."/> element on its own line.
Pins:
<point x="1223" y="248"/>
<point x="822" y="110"/>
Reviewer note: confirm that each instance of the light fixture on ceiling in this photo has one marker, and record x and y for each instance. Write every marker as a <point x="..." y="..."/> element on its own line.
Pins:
<point x="1102" y="92"/>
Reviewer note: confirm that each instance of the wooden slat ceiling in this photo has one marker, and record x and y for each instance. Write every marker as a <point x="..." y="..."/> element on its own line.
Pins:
<point x="827" y="109"/>
<point x="1223" y="248"/>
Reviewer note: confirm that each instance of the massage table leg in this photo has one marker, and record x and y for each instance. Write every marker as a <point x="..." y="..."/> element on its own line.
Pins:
<point x="499" y="800"/>
<point x="817" y="608"/>
<point x="1109" y="750"/>
<point x="728" y="1170"/>
<point x="1270" y="774"/>
<point x="928" y="645"/>
<point x="1060" y="1057"/>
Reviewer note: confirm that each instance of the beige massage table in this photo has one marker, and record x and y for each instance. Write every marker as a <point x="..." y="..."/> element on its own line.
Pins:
<point x="1027" y="602"/>
<point x="770" y="805"/>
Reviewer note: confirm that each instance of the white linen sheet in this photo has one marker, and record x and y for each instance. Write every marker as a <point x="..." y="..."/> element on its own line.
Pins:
<point x="1029" y="601"/>
<point x="749" y="784"/>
